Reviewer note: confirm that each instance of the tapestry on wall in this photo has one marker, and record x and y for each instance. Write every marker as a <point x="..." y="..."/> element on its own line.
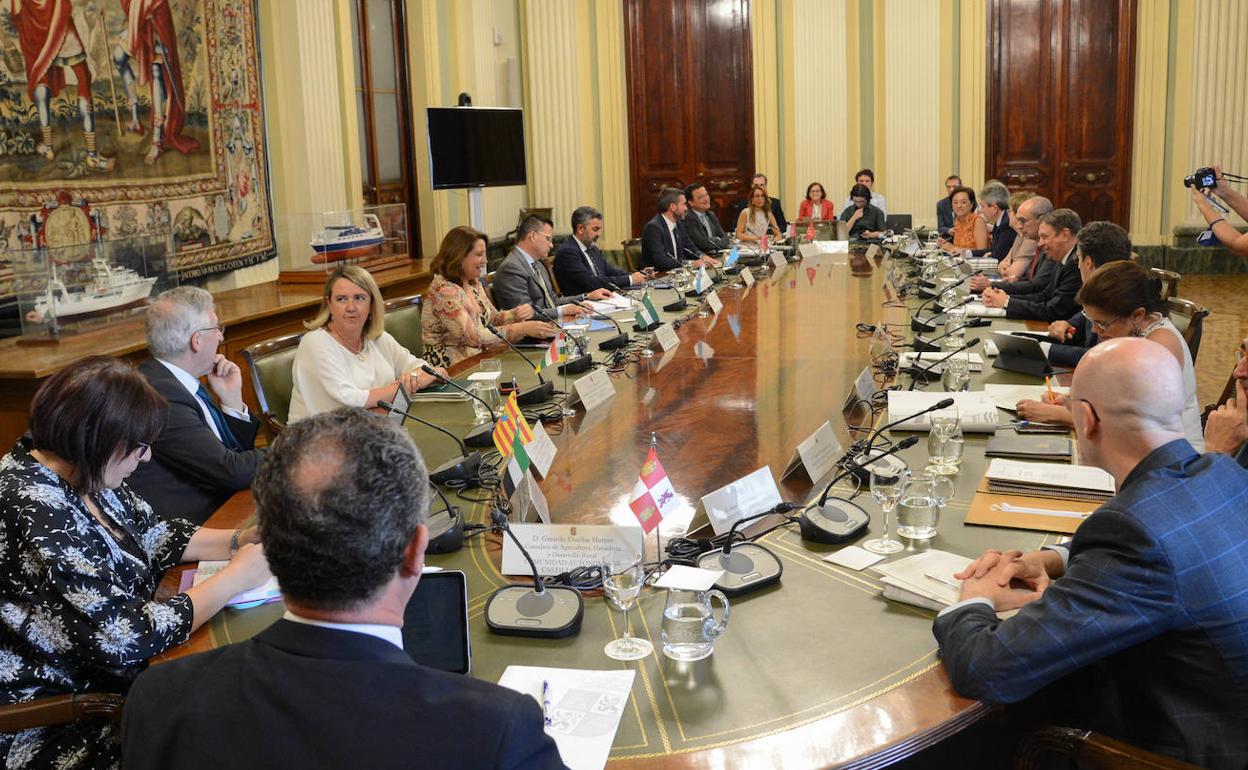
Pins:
<point x="148" y="114"/>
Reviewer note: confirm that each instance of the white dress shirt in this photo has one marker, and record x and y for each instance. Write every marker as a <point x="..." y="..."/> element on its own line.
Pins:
<point x="391" y="634"/>
<point x="192" y="386"/>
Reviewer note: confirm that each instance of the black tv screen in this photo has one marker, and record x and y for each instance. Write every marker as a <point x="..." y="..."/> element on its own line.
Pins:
<point x="476" y="147"/>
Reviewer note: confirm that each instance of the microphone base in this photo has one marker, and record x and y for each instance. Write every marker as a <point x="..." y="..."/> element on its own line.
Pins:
<point x="672" y="307"/>
<point x="861" y="467"/>
<point x="649" y="328"/>
<point x="836" y="521"/>
<point x="518" y="610"/>
<point x="734" y="270"/>
<point x="577" y="365"/>
<point x="446" y="532"/>
<point x="922" y="326"/>
<point x="614" y="343"/>
<point x="747" y="568"/>
<point x="923" y="346"/>
<point x="536" y="394"/>
<point x="926" y="293"/>
<point x="481" y="436"/>
<point x="924" y="376"/>
<point x="457" y="469"/>
<point x="694" y="294"/>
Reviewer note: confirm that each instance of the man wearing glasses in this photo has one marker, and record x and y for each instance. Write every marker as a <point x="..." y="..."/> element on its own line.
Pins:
<point x="206" y="451"/>
<point x="524" y="279"/>
<point x="1139" y="627"/>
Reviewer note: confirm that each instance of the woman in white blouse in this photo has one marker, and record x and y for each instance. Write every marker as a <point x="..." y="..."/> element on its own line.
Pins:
<point x="348" y="359"/>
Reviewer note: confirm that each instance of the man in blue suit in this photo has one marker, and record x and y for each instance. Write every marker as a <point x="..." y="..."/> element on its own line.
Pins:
<point x="944" y="208"/>
<point x="994" y="207"/>
<point x="1150" y="598"/>
<point x="579" y="265"/>
<point x="664" y="243"/>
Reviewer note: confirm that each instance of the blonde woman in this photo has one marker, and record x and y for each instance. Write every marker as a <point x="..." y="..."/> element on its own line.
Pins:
<point x="756" y="219"/>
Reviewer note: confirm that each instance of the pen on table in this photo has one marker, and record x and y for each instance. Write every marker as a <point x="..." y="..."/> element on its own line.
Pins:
<point x="546" y="700"/>
<point x="943" y="581"/>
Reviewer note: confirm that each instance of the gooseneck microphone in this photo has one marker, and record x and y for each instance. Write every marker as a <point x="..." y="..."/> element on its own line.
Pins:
<point x="944" y="403"/>
<point x="930" y="325"/>
<point x="924" y="373"/>
<point x="481" y="435"/>
<point x="859" y="466"/>
<point x="543" y="391"/>
<point x="458" y="469"/>
<point x="445" y="536"/>
<point x="835" y="520"/>
<point x="549" y="612"/>
<point x="749" y="566"/>
<point x="611" y="343"/>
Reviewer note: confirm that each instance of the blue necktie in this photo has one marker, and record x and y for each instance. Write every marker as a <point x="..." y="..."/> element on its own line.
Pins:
<point x="218" y="418"/>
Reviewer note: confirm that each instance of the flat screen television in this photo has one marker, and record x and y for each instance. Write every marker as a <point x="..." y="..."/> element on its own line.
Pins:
<point x="476" y="147"/>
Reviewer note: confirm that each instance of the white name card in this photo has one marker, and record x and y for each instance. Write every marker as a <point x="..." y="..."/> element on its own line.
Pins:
<point x="541" y="450"/>
<point x="558" y="548"/>
<point x="872" y="251"/>
<point x="747" y="277"/>
<point x="746" y="496"/>
<point x="817" y="454"/>
<point x="864" y="388"/>
<point x="529" y="495"/>
<point x="593" y="389"/>
<point x="778" y="261"/>
<point x="667" y="337"/>
<point x="716" y="304"/>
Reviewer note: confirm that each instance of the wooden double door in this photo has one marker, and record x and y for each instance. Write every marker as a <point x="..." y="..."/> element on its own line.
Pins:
<point x="1061" y="82"/>
<point x="691" y="100"/>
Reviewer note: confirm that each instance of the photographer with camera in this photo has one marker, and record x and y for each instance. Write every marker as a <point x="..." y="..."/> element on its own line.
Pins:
<point x="1208" y="180"/>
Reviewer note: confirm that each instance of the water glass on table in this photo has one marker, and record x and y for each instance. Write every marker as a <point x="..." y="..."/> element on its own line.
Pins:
<point x="886" y="487"/>
<point x="945" y="442"/>
<point x="621" y="584"/>
<point x="487" y="391"/>
<point x="956" y="376"/>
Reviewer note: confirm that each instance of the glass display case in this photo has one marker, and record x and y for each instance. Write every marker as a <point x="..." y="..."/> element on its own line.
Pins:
<point x="65" y="290"/>
<point x="313" y="244"/>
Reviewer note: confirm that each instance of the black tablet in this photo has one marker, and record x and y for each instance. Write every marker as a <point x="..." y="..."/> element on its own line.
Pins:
<point x="435" y="623"/>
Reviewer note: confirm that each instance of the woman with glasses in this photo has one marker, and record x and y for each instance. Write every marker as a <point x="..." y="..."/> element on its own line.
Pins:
<point x="81" y="556"/>
<point x="864" y="219"/>
<point x="1122" y="299"/>
<point x="969" y="229"/>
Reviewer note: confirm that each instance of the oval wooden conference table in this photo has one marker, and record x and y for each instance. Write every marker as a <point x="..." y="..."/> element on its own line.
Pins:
<point x="816" y="671"/>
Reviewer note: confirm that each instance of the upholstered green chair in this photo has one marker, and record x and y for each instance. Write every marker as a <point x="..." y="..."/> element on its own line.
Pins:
<point x="272" y="366"/>
<point x="1169" y="282"/>
<point x="403" y="323"/>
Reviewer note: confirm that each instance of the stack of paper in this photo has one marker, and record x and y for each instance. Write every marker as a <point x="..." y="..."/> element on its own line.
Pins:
<point x="615" y="304"/>
<point x="908" y="359"/>
<point x="1029" y="447"/>
<point x="987" y="264"/>
<point x="1008" y="396"/>
<point x="926" y="580"/>
<point x="268" y="592"/>
<point x="977" y="310"/>
<point x="976" y="411"/>
<point x="1069" y="482"/>
<point x="583" y="708"/>
<point x="441" y="391"/>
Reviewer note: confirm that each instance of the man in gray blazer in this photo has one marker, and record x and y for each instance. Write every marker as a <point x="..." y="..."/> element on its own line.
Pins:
<point x="524" y="279"/>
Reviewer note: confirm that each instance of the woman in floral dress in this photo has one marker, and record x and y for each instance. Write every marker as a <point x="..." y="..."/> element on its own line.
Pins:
<point x="81" y="557"/>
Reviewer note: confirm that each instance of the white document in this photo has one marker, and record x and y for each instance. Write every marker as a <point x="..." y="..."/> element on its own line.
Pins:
<point x="928" y="574"/>
<point x="484" y="376"/>
<point x="250" y="598"/>
<point x="541" y="449"/>
<point x="593" y="389"/>
<point x="818" y="454"/>
<point x="908" y="359"/>
<point x="1059" y="475"/>
<point x="1007" y="396"/>
<point x="685" y="578"/>
<point x="977" y="310"/>
<point x="558" y="548"/>
<point x="747" y="277"/>
<point x="714" y="302"/>
<point x="667" y="337"/>
<point x="746" y="496"/>
<point x="977" y="412"/>
<point x="615" y="304"/>
<point x="584" y="712"/>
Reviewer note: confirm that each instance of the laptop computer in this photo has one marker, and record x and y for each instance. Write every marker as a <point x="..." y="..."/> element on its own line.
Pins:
<point x="898" y="222"/>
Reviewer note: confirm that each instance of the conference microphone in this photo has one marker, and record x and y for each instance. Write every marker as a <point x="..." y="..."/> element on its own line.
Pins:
<point x="458" y="469"/>
<point x="944" y="403"/>
<point x="611" y="343"/>
<point x="548" y="612"/>
<point x="749" y="566"/>
<point x="925" y="373"/>
<point x="929" y="325"/>
<point x="834" y="520"/>
<point x="445" y="536"/>
<point x="926" y="346"/>
<point x="481" y="435"/>
<point x="543" y="391"/>
<point x="953" y="263"/>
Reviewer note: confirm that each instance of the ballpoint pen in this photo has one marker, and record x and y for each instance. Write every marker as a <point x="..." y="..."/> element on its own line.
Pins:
<point x="546" y="701"/>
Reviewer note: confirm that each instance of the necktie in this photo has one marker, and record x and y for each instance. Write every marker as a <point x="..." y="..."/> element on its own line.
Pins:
<point x="218" y="418"/>
<point x="706" y="224"/>
<point x="589" y="257"/>
<point x="541" y="282"/>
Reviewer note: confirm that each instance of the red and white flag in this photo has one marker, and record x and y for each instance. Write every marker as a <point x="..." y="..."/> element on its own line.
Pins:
<point x="653" y="495"/>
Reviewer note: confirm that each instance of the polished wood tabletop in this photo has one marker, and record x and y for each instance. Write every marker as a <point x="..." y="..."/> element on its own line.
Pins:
<point x="817" y="671"/>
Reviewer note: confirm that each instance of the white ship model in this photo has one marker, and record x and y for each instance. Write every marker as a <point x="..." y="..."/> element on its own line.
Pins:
<point x="338" y="242"/>
<point x="113" y="287"/>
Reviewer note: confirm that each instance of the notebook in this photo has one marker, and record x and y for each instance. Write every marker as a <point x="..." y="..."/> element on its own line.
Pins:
<point x="1071" y="482"/>
<point x="1030" y="447"/>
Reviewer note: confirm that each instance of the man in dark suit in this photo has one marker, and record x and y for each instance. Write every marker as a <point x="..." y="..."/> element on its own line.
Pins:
<point x="579" y="264"/>
<point x="700" y="223"/>
<point x="944" y="207"/>
<point x="1058" y="231"/>
<point x="1099" y="243"/>
<point x="329" y="685"/>
<point x="664" y="244"/>
<point x="760" y="180"/>
<point x="206" y="452"/>
<point x="1148" y="605"/>
<point x="994" y="207"/>
<point x="524" y="279"/>
<point x="1039" y="273"/>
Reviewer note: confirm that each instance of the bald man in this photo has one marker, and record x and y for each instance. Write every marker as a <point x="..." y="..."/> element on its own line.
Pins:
<point x="1148" y="605"/>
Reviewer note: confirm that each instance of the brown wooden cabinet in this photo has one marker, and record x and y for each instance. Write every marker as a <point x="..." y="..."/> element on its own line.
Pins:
<point x="1060" y="95"/>
<point x="691" y="100"/>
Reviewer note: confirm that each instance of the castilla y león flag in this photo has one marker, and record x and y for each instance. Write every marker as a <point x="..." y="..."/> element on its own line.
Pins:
<point x="653" y="495"/>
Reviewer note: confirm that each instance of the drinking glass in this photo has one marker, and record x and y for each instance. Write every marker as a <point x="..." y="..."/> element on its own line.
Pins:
<point x="957" y="374"/>
<point x="885" y="490"/>
<point x="945" y="442"/>
<point x="621" y="584"/>
<point x="487" y="391"/>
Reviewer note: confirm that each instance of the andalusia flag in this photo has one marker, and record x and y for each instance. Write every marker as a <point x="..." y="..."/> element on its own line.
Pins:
<point x="510" y="426"/>
<point x="557" y="353"/>
<point x="652" y="495"/>
<point x="646" y="315"/>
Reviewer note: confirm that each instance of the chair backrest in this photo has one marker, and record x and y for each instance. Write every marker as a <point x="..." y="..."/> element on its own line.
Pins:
<point x="1169" y="282"/>
<point x="272" y="367"/>
<point x="1189" y="319"/>
<point x="632" y="253"/>
<point x="1228" y="390"/>
<point x="403" y="323"/>
<point x="1086" y="749"/>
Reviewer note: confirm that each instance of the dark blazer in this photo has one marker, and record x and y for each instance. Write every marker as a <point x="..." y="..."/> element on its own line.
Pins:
<point x="191" y="473"/>
<point x="1156" y="595"/>
<point x="1041" y="269"/>
<point x="707" y="243"/>
<point x="1002" y="238"/>
<point x="515" y="284"/>
<point x="301" y="696"/>
<point x="574" y="274"/>
<point x="656" y="245"/>
<point x="1057" y="301"/>
<point x="944" y="216"/>
<point x="776" y="210"/>
<point x="1067" y="354"/>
